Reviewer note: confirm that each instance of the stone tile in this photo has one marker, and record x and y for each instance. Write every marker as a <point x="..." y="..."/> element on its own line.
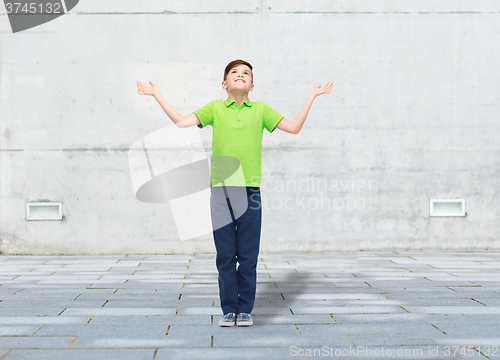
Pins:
<point x="217" y="353"/>
<point x="82" y="354"/>
<point x="35" y="342"/>
<point x="404" y="300"/>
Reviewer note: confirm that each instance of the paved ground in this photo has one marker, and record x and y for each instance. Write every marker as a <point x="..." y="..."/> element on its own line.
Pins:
<point x="384" y="305"/>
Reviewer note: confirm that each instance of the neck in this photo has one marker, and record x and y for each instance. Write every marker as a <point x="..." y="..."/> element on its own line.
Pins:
<point x="239" y="98"/>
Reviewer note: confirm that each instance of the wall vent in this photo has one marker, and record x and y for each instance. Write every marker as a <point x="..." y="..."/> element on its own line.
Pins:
<point x="44" y="211"/>
<point x="447" y="207"/>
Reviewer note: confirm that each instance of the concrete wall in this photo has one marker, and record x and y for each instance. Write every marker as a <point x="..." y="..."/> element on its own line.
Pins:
<point x="413" y="115"/>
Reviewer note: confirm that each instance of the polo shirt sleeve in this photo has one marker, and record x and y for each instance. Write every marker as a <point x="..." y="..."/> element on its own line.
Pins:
<point x="270" y="118"/>
<point x="205" y="115"/>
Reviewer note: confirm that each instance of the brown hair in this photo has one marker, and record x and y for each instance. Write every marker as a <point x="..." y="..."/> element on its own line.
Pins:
<point x="235" y="63"/>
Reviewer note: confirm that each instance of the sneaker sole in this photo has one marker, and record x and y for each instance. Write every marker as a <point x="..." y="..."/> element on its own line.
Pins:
<point x="226" y="324"/>
<point x="244" y="323"/>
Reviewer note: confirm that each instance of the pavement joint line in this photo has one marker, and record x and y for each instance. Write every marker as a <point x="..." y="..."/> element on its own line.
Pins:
<point x="187" y="268"/>
<point x="350" y="339"/>
<point x="427" y="278"/>
<point x="89" y="320"/>
<point x="88" y="287"/>
<point x="479" y="351"/>
<point x="451" y="274"/>
<point x="183" y="285"/>
<point x="296" y="326"/>
<point x="282" y="296"/>
<point x="368" y="284"/>
<point x="126" y="281"/>
<point x="479" y="302"/>
<point x="431" y="266"/>
<point x="384" y="296"/>
<point x="116" y="291"/>
<point x="52" y="273"/>
<point x="404" y="309"/>
<point x="185" y="276"/>
<point x="168" y="329"/>
<point x="438" y="328"/>
<point x="4" y="355"/>
<point x="336" y="322"/>
<point x="304" y="352"/>
<point x="77" y="296"/>
<point x="474" y="283"/>
<point x="291" y="310"/>
<point x="177" y="310"/>
<point x="62" y="311"/>
<point x="110" y="268"/>
<point x="104" y="303"/>
<point x="269" y="275"/>
<point x="72" y="341"/>
<point x="353" y="274"/>
<point x="211" y="319"/>
<point x="37" y="330"/>
<point x="275" y="284"/>
<point x="212" y="342"/>
<point x="156" y="352"/>
<point x="100" y="277"/>
<point x="446" y="286"/>
<point x="14" y="278"/>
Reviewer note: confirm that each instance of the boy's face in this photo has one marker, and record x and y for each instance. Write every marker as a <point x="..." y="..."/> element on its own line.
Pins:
<point x="238" y="80"/>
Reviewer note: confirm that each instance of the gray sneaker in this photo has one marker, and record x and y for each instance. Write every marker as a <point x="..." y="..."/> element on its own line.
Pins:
<point x="228" y="320"/>
<point x="244" y="319"/>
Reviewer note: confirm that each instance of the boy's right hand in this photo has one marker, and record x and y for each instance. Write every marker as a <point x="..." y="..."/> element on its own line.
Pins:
<point x="146" y="90"/>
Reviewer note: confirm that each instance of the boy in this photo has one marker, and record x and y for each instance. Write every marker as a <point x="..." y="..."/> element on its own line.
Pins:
<point x="238" y="126"/>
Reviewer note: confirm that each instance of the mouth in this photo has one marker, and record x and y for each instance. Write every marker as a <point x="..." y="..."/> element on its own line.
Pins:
<point x="239" y="80"/>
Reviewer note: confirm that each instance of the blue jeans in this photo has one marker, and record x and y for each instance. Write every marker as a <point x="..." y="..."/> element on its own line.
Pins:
<point x="236" y="218"/>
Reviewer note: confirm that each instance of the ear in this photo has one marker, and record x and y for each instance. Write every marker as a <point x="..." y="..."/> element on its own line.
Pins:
<point x="224" y="86"/>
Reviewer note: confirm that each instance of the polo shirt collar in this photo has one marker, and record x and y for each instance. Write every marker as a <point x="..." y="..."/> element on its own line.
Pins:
<point x="228" y="102"/>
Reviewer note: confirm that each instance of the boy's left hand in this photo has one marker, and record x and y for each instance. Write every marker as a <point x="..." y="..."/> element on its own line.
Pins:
<point x="318" y="90"/>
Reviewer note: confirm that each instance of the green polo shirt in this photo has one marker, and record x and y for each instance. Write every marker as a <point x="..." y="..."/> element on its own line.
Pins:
<point x="237" y="136"/>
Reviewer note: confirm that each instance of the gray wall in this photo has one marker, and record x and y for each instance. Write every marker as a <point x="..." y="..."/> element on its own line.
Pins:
<point x="413" y="115"/>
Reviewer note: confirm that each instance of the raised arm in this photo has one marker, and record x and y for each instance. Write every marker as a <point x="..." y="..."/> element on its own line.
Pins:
<point x="294" y="126"/>
<point x="177" y="118"/>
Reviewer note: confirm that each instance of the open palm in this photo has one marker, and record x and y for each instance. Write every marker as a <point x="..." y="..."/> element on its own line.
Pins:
<point x="325" y="89"/>
<point x="146" y="90"/>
